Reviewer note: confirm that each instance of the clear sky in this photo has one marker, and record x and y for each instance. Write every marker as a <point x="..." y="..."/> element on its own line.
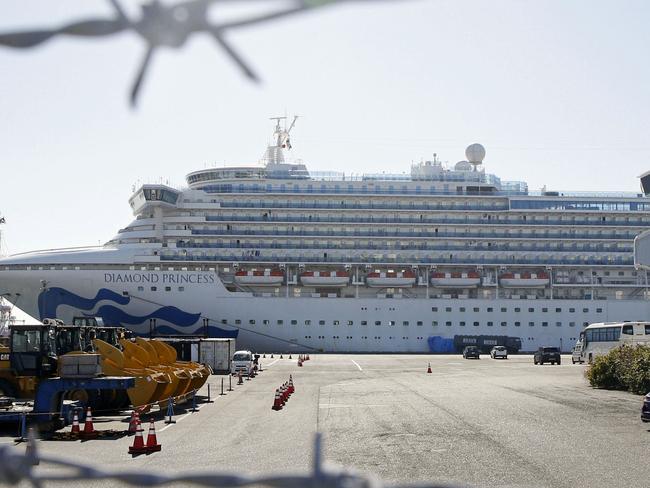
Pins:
<point x="556" y="90"/>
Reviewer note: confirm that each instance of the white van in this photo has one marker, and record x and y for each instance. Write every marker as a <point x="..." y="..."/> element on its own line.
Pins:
<point x="242" y="361"/>
<point x="576" y="353"/>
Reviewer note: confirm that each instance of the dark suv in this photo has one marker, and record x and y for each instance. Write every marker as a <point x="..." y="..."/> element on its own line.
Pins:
<point x="547" y="355"/>
<point x="645" y="410"/>
<point x="471" y="352"/>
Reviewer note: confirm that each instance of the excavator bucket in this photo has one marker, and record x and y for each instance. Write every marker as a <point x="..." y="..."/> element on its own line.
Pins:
<point x="200" y="373"/>
<point x="150" y="385"/>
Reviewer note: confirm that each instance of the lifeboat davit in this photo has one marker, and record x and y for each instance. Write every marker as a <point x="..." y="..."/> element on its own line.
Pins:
<point x="456" y="280"/>
<point x="260" y="277"/>
<point x="397" y="279"/>
<point x="325" y="278"/>
<point x="524" y="280"/>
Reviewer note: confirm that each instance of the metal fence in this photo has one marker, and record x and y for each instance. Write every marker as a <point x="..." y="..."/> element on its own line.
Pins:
<point x="17" y="466"/>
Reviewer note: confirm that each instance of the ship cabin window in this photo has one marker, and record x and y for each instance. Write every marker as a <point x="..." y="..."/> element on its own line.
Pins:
<point x="517" y="309"/>
<point x="364" y="322"/>
<point x="434" y="309"/>
<point x="572" y="324"/>
<point x="294" y="322"/>
<point x="558" y="324"/>
<point x="448" y="324"/>
<point x="585" y="310"/>
<point x="435" y="324"/>
<point x="461" y="309"/>
<point x="406" y="322"/>
<point x="503" y="324"/>
<point x="544" y="309"/>
<point x="266" y="322"/>
<point x="251" y="321"/>
<point x="350" y="322"/>
<point x="476" y="309"/>
<point x="490" y="324"/>
<point x="335" y="322"/>
<point x="140" y="288"/>
<point x="572" y="310"/>
<point x="321" y="322"/>
<point x="237" y="322"/>
<point x="307" y="322"/>
<point x="531" y="324"/>
<point x="531" y="309"/>
<point x="585" y="324"/>
<point x="419" y="323"/>
<point x="448" y="309"/>
<point x="599" y="310"/>
<point x="558" y="310"/>
<point x="504" y="309"/>
<point x="153" y="288"/>
<point x="377" y="322"/>
<point x="462" y="323"/>
<point x="544" y="324"/>
<point x="224" y="321"/>
<point x="517" y="324"/>
<point x="490" y="309"/>
<point x="181" y="288"/>
<point x="168" y="288"/>
<point x="280" y="321"/>
<point x="475" y="324"/>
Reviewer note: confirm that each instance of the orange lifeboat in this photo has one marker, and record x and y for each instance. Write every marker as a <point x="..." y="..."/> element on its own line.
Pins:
<point x="470" y="279"/>
<point x="337" y="279"/>
<point x="524" y="280"/>
<point x="260" y="277"/>
<point x="390" y="278"/>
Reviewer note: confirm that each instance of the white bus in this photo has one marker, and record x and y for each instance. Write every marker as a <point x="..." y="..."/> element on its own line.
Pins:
<point x="600" y="338"/>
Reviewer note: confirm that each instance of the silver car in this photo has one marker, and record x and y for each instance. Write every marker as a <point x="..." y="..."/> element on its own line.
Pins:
<point x="499" y="352"/>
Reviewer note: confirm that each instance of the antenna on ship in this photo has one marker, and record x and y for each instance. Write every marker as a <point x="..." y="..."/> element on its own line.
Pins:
<point x="475" y="153"/>
<point x="281" y="135"/>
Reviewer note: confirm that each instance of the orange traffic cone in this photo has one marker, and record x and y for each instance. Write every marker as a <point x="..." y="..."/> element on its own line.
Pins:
<point x="300" y="363"/>
<point x="307" y="357"/>
<point x="75" y="424"/>
<point x="152" y="442"/>
<point x="429" y="369"/>
<point x="291" y="384"/>
<point x="138" y="446"/>
<point x="277" y="403"/>
<point x="89" y="429"/>
<point x="134" y="422"/>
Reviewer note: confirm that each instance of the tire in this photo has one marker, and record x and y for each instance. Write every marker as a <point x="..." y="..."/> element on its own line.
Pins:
<point x="559" y="362"/>
<point x="535" y="361"/>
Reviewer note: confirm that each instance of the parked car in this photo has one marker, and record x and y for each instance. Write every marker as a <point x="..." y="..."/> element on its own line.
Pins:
<point x="499" y="352"/>
<point x="576" y="353"/>
<point x="547" y="354"/>
<point x="471" y="352"/>
<point x="645" y="410"/>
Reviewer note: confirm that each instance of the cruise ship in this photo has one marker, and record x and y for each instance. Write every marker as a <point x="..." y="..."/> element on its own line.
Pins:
<point x="286" y="259"/>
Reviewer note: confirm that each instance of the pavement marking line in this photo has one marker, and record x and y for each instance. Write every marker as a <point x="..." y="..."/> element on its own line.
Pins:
<point x="271" y="364"/>
<point x="356" y="364"/>
<point x="180" y="418"/>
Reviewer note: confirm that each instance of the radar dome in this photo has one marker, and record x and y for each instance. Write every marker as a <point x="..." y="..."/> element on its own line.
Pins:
<point x="475" y="153"/>
<point x="463" y="166"/>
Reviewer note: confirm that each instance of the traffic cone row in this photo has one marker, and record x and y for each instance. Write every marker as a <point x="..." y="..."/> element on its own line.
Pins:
<point x="283" y="393"/>
<point x="134" y="422"/>
<point x="139" y="447"/>
<point x="89" y="431"/>
<point x="429" y="369"/>
<point x="75" y="424"/>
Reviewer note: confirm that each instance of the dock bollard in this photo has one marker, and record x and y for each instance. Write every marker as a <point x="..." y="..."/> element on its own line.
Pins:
<point x="170" y="411"/>
<point x="22" y="435"/>
<point x="230" y="382"/>
<point x="222" y="393"/>
<point x="260" y="367"/>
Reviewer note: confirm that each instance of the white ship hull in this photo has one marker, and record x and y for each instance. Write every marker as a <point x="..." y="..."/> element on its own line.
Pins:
<point x="110" y="293"/>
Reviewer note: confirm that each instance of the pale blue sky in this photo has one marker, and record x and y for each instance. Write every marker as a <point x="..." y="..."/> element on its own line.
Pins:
<point x="557" y="92"/>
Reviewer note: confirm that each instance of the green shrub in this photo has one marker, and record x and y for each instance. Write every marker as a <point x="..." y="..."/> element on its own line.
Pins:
<point x="623" y="368"/>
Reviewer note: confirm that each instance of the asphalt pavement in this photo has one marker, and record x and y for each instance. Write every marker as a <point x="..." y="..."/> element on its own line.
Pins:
<point x="482" y="423"/>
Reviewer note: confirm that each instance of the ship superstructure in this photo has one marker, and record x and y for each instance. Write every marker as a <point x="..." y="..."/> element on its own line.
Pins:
<point x="283" y="256"/>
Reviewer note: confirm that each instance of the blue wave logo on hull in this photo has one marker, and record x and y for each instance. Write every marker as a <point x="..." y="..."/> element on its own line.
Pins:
<point x="50" y="299"/>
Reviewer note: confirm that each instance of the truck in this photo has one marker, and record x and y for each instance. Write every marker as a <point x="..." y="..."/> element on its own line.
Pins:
<point x="485" y="343"/>
<point x="212" y="352"/>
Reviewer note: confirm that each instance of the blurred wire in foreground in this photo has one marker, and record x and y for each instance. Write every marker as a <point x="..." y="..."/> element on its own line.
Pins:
<point x="17" y="467"/>
<point x="168" y="26"/>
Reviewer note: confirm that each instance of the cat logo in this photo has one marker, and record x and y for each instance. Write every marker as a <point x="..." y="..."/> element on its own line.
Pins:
<point x="4" y="356"/>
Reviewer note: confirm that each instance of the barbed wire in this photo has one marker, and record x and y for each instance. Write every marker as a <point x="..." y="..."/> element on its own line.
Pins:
<point x="17" y="467"/>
